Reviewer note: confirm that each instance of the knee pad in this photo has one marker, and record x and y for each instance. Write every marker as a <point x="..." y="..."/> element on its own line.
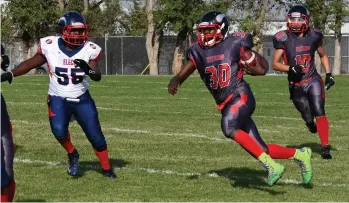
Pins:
<point x="100" y="148"/>
<point x="59" y="132"/>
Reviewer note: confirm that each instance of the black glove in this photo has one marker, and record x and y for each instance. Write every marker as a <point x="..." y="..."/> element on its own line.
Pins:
<point x="5" y="62"/>
<point x="8" y="76"/>
<point x="329" y="81"/>
<point x="295" y="73"/>
<point x="83" y="65"/>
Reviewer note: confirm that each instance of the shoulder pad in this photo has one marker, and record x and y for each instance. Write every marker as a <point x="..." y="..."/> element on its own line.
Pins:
<point x="281" y="36"/>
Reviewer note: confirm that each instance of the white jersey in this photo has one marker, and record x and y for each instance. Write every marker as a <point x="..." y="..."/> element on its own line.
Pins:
<point x="66" y="80"/>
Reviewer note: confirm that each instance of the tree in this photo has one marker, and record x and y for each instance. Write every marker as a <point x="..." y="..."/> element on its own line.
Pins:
<point x="338" y="10"/>
<point x="32" y="20"/>
<point x="152" y="39"/>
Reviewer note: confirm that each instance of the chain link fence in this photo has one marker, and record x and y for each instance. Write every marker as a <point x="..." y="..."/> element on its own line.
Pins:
<point x="123" y="55"/>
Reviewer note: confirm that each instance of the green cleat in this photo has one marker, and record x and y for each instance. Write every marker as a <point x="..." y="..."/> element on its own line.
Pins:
<point x="275" y="170"/>
<point x="303" y="159"/>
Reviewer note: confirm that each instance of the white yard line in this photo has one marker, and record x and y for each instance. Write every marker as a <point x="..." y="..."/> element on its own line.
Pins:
<point x="170" y="172"/>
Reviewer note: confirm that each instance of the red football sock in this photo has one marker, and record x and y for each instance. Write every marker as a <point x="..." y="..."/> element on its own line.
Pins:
<point x="67" y="144"/>
<point x="4" y="195"/>
<point x="11" y="191"/>
<point x="280" y="152"/>
<point x="322" y="129"/>
<point x="248" y="143"/>
<point x="103" y="158"/>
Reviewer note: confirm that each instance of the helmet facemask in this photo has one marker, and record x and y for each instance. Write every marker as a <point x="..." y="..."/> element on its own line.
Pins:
<point x="75" y="35"/>
<point x="297" y="22"/>
<point x="210" y="34"/>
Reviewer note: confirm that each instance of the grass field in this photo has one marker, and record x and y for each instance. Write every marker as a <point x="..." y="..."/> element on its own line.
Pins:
<point x="167" y="148"/>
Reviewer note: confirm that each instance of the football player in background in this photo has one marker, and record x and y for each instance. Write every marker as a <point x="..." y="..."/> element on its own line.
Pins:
<point x="8" y="184"/>
<point x="217" y="57"/>
<point x="297" y="45"/>
<point x="71" y="59"/>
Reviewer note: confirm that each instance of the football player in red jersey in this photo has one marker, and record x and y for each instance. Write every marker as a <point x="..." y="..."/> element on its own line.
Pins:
<point x="217" y="57"/>
<point x="297" y="45"/>
<point x="8" y="184"/>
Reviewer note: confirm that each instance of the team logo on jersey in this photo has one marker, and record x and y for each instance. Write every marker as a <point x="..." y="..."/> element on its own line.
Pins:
<point x="211" y="59"/>
<point x="93" y="46"/>
<point x="302" y="48"/>
<point x="48" y="41"/>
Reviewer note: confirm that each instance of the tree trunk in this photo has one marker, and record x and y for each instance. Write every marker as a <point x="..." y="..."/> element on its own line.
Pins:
<point x="61" y="5"/>
<point x="337" y="55"/>
<point x="179" y="51"/>
<point x="152" y="40"/>
<point x="260" y="23"/>
<point x="85" y="6"/>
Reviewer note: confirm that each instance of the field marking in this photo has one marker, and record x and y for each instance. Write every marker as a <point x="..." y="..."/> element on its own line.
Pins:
<point x="171" y="172"/>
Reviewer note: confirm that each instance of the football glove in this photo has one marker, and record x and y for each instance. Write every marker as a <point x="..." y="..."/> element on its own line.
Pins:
<point x="295" y="73"/>
<point x="329" y="81"/>
<point x="83" y="65"/>
<point x="8" y="76"/>
<point x="5" y="62"/>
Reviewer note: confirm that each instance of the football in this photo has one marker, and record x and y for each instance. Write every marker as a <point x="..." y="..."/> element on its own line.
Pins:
<point x="248" y="57"/>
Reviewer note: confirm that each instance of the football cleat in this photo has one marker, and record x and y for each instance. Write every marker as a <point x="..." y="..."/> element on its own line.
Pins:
<point x="73" y="169"/>
<point x="303" y="159"/>
<point x="312" y="127"/>
<point x="275" y="170"/>
<point x="326" y="152"/>
<point x="109" y="173"/>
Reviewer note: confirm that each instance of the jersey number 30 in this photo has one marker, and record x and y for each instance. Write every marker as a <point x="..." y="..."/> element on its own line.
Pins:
<point x="76" y="76"/>
<point x="219" y="76"/>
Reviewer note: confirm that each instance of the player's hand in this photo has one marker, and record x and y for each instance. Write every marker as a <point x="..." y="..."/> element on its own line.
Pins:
<point x="329" y="81"/>
<point x="5" y="62"/>
<point x="173" y="86"/>
<point x="8" y="76"/>
<point x="295" y="73"/>
<point x="83" y="65"/>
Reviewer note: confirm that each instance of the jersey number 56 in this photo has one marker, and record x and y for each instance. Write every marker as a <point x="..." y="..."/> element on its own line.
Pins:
<point x="76" y="76"/>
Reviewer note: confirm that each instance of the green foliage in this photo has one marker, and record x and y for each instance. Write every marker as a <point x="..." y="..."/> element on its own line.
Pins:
<point x="319" y="11"/>
<point x="32" y="19"/>
<point x="338" y="10"/>
<point x="75" y="5"/>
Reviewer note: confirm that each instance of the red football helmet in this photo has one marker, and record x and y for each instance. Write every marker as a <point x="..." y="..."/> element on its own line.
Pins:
<point x="298" y="19"/>
<point x="212" y="28"/>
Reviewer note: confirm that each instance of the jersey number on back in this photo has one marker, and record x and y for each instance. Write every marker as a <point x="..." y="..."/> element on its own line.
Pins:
<point x="76" y="76"/>
<point x="219" y="76"/>
<point x="303" y="60"/>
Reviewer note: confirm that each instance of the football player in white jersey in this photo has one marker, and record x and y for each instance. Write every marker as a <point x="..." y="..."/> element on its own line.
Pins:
<point x="71" y="60"/>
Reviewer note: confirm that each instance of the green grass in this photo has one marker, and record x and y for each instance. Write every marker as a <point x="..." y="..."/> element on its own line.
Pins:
<point x="170" y="148"/>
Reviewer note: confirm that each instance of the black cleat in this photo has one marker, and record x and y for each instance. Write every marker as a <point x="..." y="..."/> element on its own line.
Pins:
<point x="73" y="169"/>
<point x="311" y="127"/>
<point x="326" y="152"/>
<point x="109" y="173"/>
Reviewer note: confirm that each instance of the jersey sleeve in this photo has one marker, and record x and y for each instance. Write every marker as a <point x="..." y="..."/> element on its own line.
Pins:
<point x="279" y="39"/>
<point x="319" y="36"/>
<point x="247" y="41"/>
<point x="190" y="55"/>
<point x="96" y="51"/>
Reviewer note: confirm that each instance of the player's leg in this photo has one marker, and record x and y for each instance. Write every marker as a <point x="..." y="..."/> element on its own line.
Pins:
<point x="316" y="97"/>
<point x="234" y="115"/>
<point x="7" y="154"/>
<point x="301" y="156"/>
<point x="87" y="117"/>
<point x="300" y="101"/>
<point x="59" y="115"/>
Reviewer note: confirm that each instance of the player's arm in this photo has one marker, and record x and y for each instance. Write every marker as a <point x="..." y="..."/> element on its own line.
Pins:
<point x="177" y="80"/>
<point x="329" y="81"/>
<point x="90" y="68"/>
<point x="324" y="59"/>
<point x="276" y="61"/>
<point x="35" y="61"/>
